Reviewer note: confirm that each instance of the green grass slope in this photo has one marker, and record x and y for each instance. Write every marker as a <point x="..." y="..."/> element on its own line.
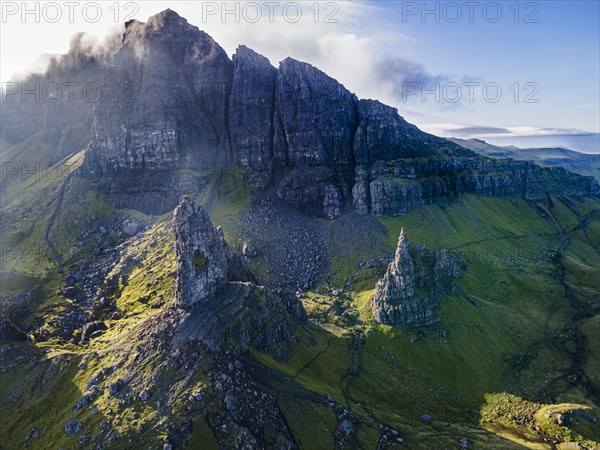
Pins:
<point x="573" y="161"/>
<point x="525" y="322"/>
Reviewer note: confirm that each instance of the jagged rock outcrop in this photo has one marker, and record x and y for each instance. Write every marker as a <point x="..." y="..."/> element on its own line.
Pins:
<point x="205" y="263"/>
<point x="416" y="280"/>
<point x="225" y="306"/>
<point x="175" y="111"/>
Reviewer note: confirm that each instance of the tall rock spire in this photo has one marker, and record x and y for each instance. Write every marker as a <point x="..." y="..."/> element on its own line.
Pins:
<point x="396" y="302"/>
<point x="205" y="263"/>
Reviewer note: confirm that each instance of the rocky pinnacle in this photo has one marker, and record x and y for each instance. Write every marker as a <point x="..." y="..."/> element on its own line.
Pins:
<point x="396" y="302"/>
<point x="225" y="306"/>
<point x="205" y="263"/>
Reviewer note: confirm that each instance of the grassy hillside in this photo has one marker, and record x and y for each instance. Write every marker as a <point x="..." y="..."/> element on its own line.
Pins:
<point x="511" y="329"/>
<point x="524" y="323"/>
<point x="576" y="162"/>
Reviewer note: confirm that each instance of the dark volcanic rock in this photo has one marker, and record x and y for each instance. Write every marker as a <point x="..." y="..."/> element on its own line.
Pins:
<point x="396" y="301"/>
<point x="226" y="307"/>
<point x="314" y="130"/>
<point x="118" y="388"/>
<point x="383" y="135"/>
<point x="291" y="247"/>
<point x="9" y="331"/>
<point x="317" y="115"/>
<point x="397" y="187"/>
<point x="175" y="110"/>
<point x="73" y="426"/>
<point x="243" y="315"/>
<point x="317" y="191"/>
<point x="90" y="328"/>
<point x="251" y="110"/>
<point x="395" y="197"/>
<point x="205" y="263"/>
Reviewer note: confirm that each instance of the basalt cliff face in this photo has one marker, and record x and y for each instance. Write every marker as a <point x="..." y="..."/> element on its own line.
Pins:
<point x="185" y="111"/>
<point x="175" y="113"/>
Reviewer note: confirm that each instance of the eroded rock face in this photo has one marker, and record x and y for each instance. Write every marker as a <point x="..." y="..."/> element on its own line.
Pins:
<point x="399" y="168"/>
<point x="383" y="135"/>
<point x="187" y="111"/>
<point x="243" y="315"/>
<point x="318" y="116"/>
<point x="174" y="111"/>
<point x="251" y="110"/>
<point x="396" y="301"/>
<point x="205" y="263"/>
<point x="226" y="309"/>
<point x="319" y="191"/>
<point x="171" y="111"/>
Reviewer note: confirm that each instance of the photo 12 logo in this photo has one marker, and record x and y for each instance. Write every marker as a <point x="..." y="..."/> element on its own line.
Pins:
<point x="23" y="171"/>
<point x="68" y="92"/>
<point x="254" y="12"/>
<point x="469" y="12"/>
<point x="71" y="12"/>
<point x="469" y="92"/>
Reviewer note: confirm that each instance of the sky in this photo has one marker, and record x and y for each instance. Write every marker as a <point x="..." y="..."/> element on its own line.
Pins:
<point x="509" y="72"/>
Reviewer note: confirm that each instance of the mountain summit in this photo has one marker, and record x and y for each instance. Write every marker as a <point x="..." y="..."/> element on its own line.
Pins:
<point x="175" y="108"/>
<point x="294" y="127"/>
<point x="167" y="280"/>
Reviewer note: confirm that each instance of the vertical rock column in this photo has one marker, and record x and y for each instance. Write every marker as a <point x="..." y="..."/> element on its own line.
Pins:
<point x="396" y="302"/>
<point x="201" y="261"/>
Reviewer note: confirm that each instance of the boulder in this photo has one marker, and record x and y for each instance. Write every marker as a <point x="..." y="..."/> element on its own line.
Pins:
<point x="91" y="330"/>
<point x="73" y="427"/>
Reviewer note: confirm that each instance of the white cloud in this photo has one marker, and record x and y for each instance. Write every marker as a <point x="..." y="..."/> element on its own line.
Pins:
<point x="482" y="132"/>
<point x="364" y="50"/>
<point x="349" y="50"/>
